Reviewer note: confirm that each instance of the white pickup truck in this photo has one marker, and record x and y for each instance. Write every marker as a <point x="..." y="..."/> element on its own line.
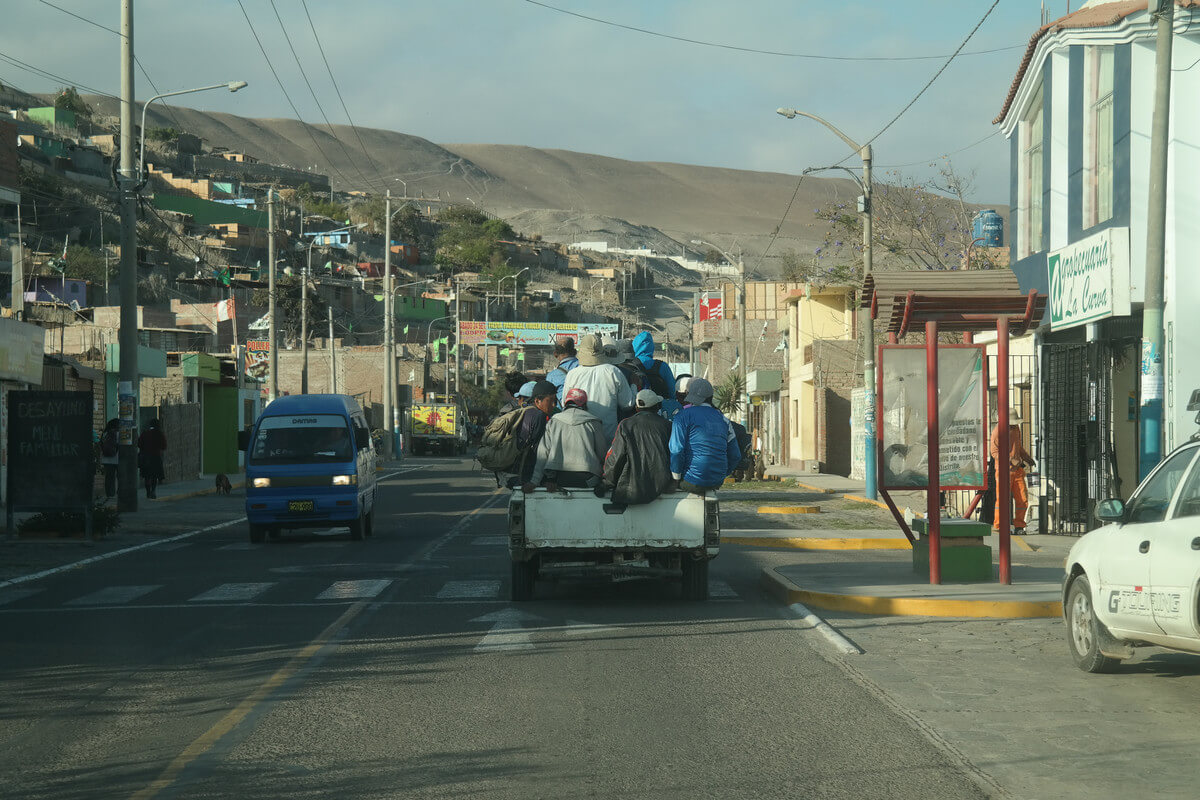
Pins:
<point x="572" y="532"/>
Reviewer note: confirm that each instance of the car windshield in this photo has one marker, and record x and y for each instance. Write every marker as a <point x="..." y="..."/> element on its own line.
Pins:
<point x="302" y="440"/>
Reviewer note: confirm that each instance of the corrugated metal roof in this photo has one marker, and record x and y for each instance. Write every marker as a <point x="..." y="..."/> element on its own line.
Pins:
<point x="978" y="291"/>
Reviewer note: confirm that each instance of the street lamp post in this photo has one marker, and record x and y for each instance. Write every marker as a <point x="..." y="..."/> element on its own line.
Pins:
<point x="865" y="321"/>
<point x="232" y="86"/>
<point x="687" y="319"/>
<point x="304" y="309"/>
<point x="742" y="354"/>
<point x="391" y="409"/>
<point x="513" y="278"/>
<point x="428" y="331"/>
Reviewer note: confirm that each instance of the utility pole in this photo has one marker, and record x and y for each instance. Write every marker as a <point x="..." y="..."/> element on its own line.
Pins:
<point x="389" y="359"/>
<point x="742" y="354"/>
<point x="458" y="334"/>
<point x="127" y="338"/>
<point x="304" y="319"/>
<point x="870" y="488"/>
<point x="1151" y="411"/>
<point x="332" y="353"/>
<point x="273" y="343"/>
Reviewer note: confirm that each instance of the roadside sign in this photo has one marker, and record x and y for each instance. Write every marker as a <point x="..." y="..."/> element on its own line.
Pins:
<point x="50" y="460"/>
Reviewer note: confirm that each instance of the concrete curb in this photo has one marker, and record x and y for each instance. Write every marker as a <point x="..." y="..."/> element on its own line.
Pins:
<point x="789" y="510"/>
<point x="788" y="593"/>
<point x="818" y="542"/>
<point x="817" y="489"/>
<point x="869" y="502"/>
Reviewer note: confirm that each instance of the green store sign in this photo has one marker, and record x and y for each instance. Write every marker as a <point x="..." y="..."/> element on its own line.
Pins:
<point x="1089" y="280"/>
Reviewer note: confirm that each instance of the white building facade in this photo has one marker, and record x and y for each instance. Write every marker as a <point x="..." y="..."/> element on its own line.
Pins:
<point x="1078" y="119"/>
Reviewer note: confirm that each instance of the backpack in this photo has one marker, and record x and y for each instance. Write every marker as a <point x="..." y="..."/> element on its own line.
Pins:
<point x="656" y="382"/>
<point x="498" y="447"/>
<point x="108" y="444"/>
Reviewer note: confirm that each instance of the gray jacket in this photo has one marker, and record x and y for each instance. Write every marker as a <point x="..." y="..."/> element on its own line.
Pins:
<point x="573" y="442"/>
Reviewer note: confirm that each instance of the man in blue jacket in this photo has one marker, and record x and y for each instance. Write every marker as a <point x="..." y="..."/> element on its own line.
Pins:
<point x="658" y="373"/>
<point x="704" y="449"/>
<point x="564" y="351"/>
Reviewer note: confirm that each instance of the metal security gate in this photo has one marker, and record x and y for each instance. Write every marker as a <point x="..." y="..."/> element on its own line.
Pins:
<point x="1076" y="434"/>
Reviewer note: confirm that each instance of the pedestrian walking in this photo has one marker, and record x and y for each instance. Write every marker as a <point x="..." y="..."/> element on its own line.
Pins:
<point x="1018" y="457"/>
<point x="151" y="446"/>
<point x="109" y="458"/>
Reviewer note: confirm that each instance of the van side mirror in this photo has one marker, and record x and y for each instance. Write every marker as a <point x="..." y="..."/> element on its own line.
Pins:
<point x="362" y="438"/>
<point x="1111" y="510"/>
<point x="243" y="440"/>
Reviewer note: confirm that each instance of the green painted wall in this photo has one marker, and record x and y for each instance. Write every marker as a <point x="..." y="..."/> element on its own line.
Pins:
<point x="220" y="429"/>
<point x="49" y="115"/>
<point x="206" y="212"/>
<point x="420" y="308"/>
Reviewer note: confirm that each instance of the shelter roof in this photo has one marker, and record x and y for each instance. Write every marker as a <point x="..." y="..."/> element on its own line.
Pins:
<point x="959" y="300"/>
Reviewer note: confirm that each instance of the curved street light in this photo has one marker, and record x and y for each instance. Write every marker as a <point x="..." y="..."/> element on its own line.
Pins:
<point x="865" y="322"/>
<point x="232" y="86"/>
<point x="742" y="332"/>
<point x="514" y="280"/>
<point x="687" y="321"/>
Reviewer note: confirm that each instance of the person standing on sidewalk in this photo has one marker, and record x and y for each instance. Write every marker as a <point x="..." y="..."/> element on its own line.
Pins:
<point x="1018" y="457"/>
<point x="151" y="445"/>
<point x="108" y="456"/>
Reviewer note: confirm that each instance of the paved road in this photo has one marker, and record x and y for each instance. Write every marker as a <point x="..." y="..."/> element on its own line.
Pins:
<point x="395" y="667"/>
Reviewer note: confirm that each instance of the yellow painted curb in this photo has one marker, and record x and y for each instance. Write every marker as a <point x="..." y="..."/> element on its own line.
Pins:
<point x="818" y="543"/>
<point x="789" y="509"/>
<point x="787" y="592"/>
<point x="1026" y="546"/>
<point x="817" y="489"/>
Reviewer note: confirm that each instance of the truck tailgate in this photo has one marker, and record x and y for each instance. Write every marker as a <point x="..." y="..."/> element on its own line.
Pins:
<point x="577" y="518"/>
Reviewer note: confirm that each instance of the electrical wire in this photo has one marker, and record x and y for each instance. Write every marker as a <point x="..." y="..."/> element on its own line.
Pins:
<point x="338" y="91"/>
<point x="288" y="97"/>
<point x="19" y="64"/>
<point x="942" y="155"/>
<point x="758" y="51"/>
<point x="320" y="108"/>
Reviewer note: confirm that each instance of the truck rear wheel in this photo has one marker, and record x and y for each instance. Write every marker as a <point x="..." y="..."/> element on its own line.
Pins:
<point x="524" y="577"/>
<point x="695" y="578"/>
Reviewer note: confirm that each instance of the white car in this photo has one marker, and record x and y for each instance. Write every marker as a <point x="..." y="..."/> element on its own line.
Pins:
<point x="1135" y="581"/>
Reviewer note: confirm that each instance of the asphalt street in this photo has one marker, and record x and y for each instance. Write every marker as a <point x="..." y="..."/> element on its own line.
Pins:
<point x="396" y="667"/>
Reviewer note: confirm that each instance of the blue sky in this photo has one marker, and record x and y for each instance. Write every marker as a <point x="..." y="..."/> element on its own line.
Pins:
<point x="511" y="72"/>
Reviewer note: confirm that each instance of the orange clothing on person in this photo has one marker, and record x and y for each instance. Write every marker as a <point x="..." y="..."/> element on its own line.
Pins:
<point x="1017" y="459"/>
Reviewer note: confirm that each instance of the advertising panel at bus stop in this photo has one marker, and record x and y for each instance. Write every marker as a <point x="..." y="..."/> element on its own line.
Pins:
<point x="903" y="417"/>
<point x="529" y="333"/>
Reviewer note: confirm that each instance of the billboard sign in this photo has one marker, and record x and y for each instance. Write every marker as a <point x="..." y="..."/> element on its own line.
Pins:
<point x="711" y="307"/>
<point x="258" y="358"/>
<point x="529" y="333"/>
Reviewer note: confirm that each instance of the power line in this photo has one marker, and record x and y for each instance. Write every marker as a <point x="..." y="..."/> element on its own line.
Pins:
<point x="338" y="91"/>
<point x="287" y="96"/>
<point x="320" y="108"/>
<point x="759" y="51"/>
<point x="19" y="64"/>
<point x="976" y="143"/>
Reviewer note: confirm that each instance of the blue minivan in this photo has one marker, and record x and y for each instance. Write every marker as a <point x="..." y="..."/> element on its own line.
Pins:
<point x="310" y="463"/>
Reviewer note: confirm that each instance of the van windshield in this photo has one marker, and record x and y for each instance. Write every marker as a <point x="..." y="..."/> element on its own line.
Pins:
<point x="302" y="440"/>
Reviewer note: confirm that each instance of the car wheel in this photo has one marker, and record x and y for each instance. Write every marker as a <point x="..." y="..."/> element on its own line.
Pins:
<point x="695" y="578"/>
<point x="524" y="577"/>
<point x="1084" y="630"/>
<point x="358" y="528"/>
<point x="258" y="533"/>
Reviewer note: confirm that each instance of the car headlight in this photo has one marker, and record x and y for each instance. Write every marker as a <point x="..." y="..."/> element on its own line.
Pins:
<point x="345" y="480"/>
<point x="262" y="483"/>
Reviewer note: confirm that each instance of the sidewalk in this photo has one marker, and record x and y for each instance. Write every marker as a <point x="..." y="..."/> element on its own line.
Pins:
<point x="882" y="582"/>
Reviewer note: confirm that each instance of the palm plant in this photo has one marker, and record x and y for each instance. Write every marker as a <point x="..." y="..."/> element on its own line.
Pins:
<point x="728" y="395"/>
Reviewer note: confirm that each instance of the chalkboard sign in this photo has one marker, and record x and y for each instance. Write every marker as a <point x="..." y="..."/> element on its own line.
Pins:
<point x="50" y="458"/>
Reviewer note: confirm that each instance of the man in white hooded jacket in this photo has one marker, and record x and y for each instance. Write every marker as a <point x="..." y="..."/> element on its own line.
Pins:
<point x="608" y="392"/>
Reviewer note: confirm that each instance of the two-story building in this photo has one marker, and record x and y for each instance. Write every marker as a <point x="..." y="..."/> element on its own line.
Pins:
<point x="1078" y="119"/>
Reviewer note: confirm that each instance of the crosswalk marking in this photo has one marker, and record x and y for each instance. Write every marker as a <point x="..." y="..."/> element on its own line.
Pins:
<point x="13" y="595"/>
<point x="354" y="590"/>
<point x="229" y="592"/>
<point x="490" y="540"/>
<point x="469" y="590"/>
<point x="113" y="595"/>
<point x="720" y="589"/>
<point x="240" y="546"/>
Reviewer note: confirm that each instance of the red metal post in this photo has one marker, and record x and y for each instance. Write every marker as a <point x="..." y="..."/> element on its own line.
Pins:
<point x="892" y="339"/>
<point x="933" y="506"/>
<point x="1003" y="473"/>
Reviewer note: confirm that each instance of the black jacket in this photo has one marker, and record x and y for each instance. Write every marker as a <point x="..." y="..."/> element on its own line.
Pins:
<point x="638" y="465"/>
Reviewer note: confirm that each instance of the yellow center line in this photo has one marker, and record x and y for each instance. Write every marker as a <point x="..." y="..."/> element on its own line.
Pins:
<point x="207" y="740"/>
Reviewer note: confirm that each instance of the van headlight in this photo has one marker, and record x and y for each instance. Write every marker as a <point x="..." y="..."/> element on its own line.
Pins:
<point x="262" y="483"/>
<point x="345" y="480"/>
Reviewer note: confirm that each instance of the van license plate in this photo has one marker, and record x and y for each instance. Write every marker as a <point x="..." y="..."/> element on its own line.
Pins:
<point x="300" y="505"/>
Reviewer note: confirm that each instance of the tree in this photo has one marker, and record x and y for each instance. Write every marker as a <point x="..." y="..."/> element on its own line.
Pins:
<point x="916" y="224"/>
<point x="727" y="397"/>
<point x="288" y="294"/>
<point x="713" y="256"/>
<point x="794" y="267"/>
<point x="498" y="229"/>
<point x="68" y="99"/>
<point x="162" y="134"/>
<point x="87" y="264"/>
<point x="468" y="239"/>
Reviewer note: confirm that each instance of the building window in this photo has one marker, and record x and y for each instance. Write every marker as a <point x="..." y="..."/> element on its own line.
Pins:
<point x="1098" y="136"/>
<point x="1031" y="179"/>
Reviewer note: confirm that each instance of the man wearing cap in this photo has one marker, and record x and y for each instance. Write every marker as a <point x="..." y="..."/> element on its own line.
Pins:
<point x="532" y="427"/>
<point x="638" y="465"/>
<point x="672" y="409"/>
<point x="525" y="393"/>
<point x="607" y="390"/>
<point x="704" y="449"/>
<point x="570" y="452"/>
<point x="513" y="381"/>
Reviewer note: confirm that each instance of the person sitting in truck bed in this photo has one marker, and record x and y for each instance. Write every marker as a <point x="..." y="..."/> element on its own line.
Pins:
<point x="571" y="450"/>
<point x="704" y="448"/>
<point x="513" y="382"/>
<point x="532" y="428"/>
<point x="638" y="465"/>
<point x="607" y="390"/>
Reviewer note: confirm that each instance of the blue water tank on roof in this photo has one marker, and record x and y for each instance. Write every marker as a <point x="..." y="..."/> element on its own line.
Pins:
<point x="989" y="226"/>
